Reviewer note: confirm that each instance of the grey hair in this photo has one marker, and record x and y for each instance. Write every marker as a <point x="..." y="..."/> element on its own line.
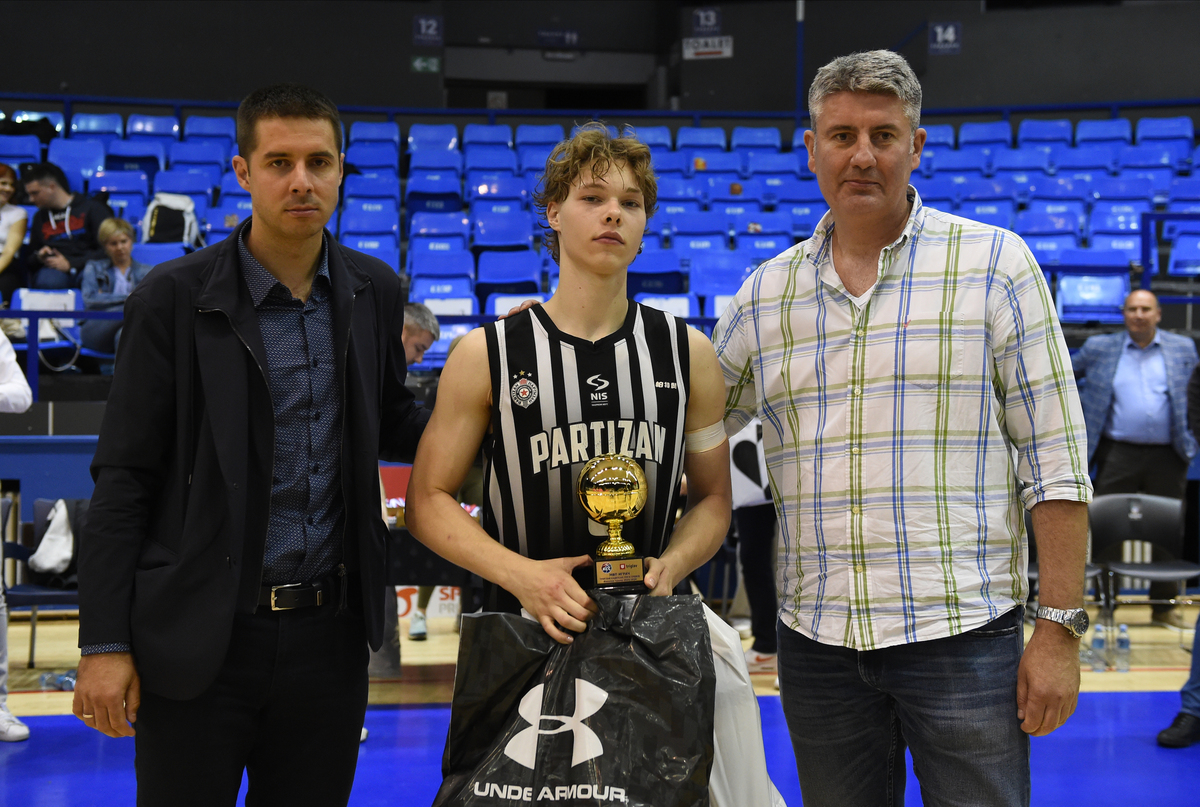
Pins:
<point x="876" y="71"/>
<point x="419" y="316"/>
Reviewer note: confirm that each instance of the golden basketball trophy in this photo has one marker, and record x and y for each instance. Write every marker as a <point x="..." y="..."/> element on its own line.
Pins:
<point x="613" y="490"/>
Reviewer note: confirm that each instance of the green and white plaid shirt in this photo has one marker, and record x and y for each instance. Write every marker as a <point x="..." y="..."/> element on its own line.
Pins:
<point x="906" y="434"/>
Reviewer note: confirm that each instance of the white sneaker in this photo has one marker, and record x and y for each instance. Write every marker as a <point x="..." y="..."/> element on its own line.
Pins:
<point x="760" y="662"/>
<point x="416" y="627"/>
<point x="363" y="737"/>
<point x="12" y="730"/>
<point x="777" y="682"/>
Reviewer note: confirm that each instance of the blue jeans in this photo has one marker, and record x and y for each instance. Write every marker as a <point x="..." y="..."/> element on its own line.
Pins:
<point x="47" y="278"/>
<point x="1191" y="689"/>
<point x="952" y="702"/>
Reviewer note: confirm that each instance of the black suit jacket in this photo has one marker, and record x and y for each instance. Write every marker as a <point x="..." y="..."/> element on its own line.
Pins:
<point x="177" y="527"/>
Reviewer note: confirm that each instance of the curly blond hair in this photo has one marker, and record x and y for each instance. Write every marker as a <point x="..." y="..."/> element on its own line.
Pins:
<point x="594" y="149"/>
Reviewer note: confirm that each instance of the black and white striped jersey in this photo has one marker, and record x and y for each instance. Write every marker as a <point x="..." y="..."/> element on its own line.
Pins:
<point x="558" y="401"/>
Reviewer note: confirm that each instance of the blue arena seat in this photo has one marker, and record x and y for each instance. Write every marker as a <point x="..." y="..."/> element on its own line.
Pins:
<point x="480" y="134"/>
<point x="940" y="134"/>
<point x="17" y="149"/>
<point x="1048" y="249"/>
<point x="940" y="193"/>
<point x="501" y="302"/>
<point x="987" y="190"/>
<point x="196" y="185"/>
<point x="1027" y="224"/>
<point x="383" y="186"/>
<point x="786" y="191"/>
<point x="961" y="165"/>
<point x="786" y="164"/>
<point x="432" y="137"/>
<point x="491" y="161"/>
<point x="438" y="232"/>
<point x="668" y="163"/>
<point x="227" y="215"/>
<point x="1130" y="246"/>
<point x="1137" y="188"/>
<point x="992" y="133"/>
<point x="381" y="132"/>
<point x="455" y="263"/>
<point x="1063" y="189"/>
<point x="434" y="192"/>
<point x="128" y="192"/>
<point x="760" y="139"/>
<point x="424" y="287"/>
<point x="230" y="186"/>
<point x="126" y="155"/>
<point x="700" y="138"/>
<point x="761" y="247"/>
<point x="371" y="217"/>
<point x="1021" y="161"/>
<point x="1073" y="208"/>
<point x="504" y="231"/>
<point x="726" y="164"/>
<point x="207" y="156"/>
<point x="659" y="272"/>
<point x="103" y="128"/>
<point x="775" y="223"/>
<point x="483" y="185"/>
<point x="735" y="198"/>
<point x="22" y="115"/>
<point x="679" y="305"/>
<point x="516" y="272"/>
<point x="1185" y="189"/>
<point x="205" y="128"/>
<point x="1085" y="299"/>
<point x="1154" y="162"/>
<point x="720" y="273"/>
<point x="658" y="138"/>
<point x="677" y="195"/>
<point x="1185" y="256"/>
<point x="155" y="254"/>
<point x="1177" y="135"/>
<point x="373" y="158"/>
<point x="532" y="159"/>
<point x="1173" y="229"/>
<point x="79" y="160"/>
<point x="1087" y="162"/>
<point x="382" y="252"/>
<point x="1113" y="131"/>
<point x="996" y="213"/>
<point x="1102" y="222"/>
<point x="550" y="134"/>
<point x="805" y="217"/>
<point x="370" y="243"/>
<point x="1032" y="131"/>
<point x="155" y="128"/>
<point x="436" y="161"/>
<point x="712" y="223"/>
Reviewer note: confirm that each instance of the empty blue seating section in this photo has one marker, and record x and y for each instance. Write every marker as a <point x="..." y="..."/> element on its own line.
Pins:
<point x="938" y="192"/>
<point x="478" y="135"/>
<point x="1177" y="135"/>
<point x="126" y="155"/>
<point x="439" y="232"/>
<point x="996" y="213"/>
<point x="539" y="135"/>
<point x="204" y="157"/>
<point x="1135" y="188"/>
<point x="757" y="139"/>
<point x="1185" y="256"/>
<point x="658" y="138"/>
<point x="736" y="197"/>
<point x="518" y="272"/>
<point x="491" y="162"/>
<point x="454" y="263"/>
<point x="532" y="159"/>
<point x="668" y="163"/>
<point x="1114" y="131"/>
<point x="231" y="187"/>
<point x="997" y="134"/>
<point x="960" y="165"/>
<point x="156" y="128"/>
<point x="155" y="254"/>
<point x="484" y="185"/>
<point x="371" y="219"/>
<point x="773" y="223"/>
<point x="1033" y="132"/>
<point x="773" y="165"/>
<point x="215" y="129"/>
<point x="677" y="195"/>
<point x="1085" y="162"/>
<point x="438" y="192"/>
<point x="382" y="186"/>
<point x="21" y="115"/>
<point x="374" y="158"/>
<point x="79" y="160"/>
<point x="939" y="135"/>
<point x="502" y="231"/>
<point x="382" y="132"/>
<point x="700" y="138"/>
<point x="679" y="305"/>
<point x="227" y="215"/>
<point x="436" y="161"/>
<point x="761" y="246"/>
<point x="805" y="217"/>
<point x="433" y="137"/>
<point x="17" y="149"/>
<point x="193" y="185"/>
<point x="1086" y="299"/>
<point x="657" y="272"/>
<point x="128" y="192"/>
<point x="104" y="128"/>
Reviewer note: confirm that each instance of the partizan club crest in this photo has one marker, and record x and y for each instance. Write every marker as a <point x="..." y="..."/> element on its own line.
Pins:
<point x="524" y="392"/>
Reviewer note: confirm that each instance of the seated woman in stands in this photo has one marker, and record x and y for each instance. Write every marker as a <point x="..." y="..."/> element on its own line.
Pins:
<point x="12" y="233"/>
<point x="107" y="282"/>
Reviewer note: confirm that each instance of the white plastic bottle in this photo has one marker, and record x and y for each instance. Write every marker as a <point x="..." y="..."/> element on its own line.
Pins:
<point x="1123" y="649"/>
<point x="1098" y="655"/>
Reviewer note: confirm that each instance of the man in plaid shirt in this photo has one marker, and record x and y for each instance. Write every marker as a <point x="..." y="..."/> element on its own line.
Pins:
<point x="916" y="398"/>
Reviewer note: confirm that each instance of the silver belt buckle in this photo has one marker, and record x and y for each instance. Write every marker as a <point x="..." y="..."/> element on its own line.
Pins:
<point x="274" y="589"/>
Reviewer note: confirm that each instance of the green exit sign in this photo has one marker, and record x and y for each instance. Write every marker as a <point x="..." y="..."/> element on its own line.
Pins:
<point x="427" y="64"/>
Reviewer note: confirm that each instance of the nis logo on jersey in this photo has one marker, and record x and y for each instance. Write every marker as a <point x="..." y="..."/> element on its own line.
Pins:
<point x="579" y="442"/>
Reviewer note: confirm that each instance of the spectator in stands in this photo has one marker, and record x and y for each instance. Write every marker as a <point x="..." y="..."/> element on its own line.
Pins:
<point x="907" y="366"/>
<point x="1135" y="403"/>
<point x="107" y="282"/>
<point x="12" y="235"/>
<point x="15" y="397"/>
<point x="63" y="235"/>
<point x="421" y="330"/>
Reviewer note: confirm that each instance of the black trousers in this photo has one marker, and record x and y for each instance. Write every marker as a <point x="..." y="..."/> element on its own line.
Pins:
<point x="287" y="707"/>
<point x="1155" y="471"/>
<point x="756" y="542"/>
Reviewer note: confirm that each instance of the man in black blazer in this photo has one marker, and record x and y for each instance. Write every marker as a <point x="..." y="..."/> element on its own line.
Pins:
<point x="232" y="571"/>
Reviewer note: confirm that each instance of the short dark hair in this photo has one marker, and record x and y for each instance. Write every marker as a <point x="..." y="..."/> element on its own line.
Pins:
<point x="283" y="101"/>
<point x="40" y="172"/>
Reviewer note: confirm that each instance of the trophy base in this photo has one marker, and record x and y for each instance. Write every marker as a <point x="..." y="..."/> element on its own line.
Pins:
<point x="616" y="575"/>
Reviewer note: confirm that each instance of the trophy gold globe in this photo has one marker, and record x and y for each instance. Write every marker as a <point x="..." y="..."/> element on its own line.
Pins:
<point x="613" y="489"/>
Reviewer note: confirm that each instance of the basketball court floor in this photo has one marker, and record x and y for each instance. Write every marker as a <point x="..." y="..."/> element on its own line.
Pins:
<point x="1105" y="755"/>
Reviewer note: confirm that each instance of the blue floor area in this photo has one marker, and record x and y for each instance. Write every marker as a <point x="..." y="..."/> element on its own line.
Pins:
<point x="1104" y="757"/>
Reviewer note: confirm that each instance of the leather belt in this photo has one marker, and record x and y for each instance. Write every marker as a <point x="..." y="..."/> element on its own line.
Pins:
<point x="299" y="595"/>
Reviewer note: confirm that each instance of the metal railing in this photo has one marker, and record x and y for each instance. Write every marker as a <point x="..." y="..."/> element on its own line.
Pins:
<point x="35" y="316"/>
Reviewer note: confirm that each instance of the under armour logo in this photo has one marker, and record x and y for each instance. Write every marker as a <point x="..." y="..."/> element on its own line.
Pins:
<point x="589" y="698"/>
<point x="598" y="382"/>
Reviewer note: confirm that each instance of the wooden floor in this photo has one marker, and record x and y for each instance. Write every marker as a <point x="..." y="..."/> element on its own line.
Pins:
<point x="1159" y="662"/>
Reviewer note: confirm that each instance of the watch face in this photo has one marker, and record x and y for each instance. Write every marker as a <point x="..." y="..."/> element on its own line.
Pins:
<point x="1077" y="622"/>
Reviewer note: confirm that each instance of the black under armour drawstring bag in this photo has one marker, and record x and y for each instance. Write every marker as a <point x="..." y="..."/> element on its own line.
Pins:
<point x="623" y="716"/>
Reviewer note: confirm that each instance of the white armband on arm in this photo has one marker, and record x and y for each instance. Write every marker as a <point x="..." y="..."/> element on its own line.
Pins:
<point x="706" y="439"/>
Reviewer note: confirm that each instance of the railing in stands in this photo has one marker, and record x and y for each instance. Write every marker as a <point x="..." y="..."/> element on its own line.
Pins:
<point x="35" y="317"/>
<point x="1004" y="111"/>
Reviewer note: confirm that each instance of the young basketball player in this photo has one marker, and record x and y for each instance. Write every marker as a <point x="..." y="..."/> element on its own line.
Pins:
<point x="590" y="372"/>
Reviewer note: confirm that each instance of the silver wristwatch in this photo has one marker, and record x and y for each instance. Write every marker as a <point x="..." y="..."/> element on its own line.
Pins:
<point x="1075" y="620"/>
